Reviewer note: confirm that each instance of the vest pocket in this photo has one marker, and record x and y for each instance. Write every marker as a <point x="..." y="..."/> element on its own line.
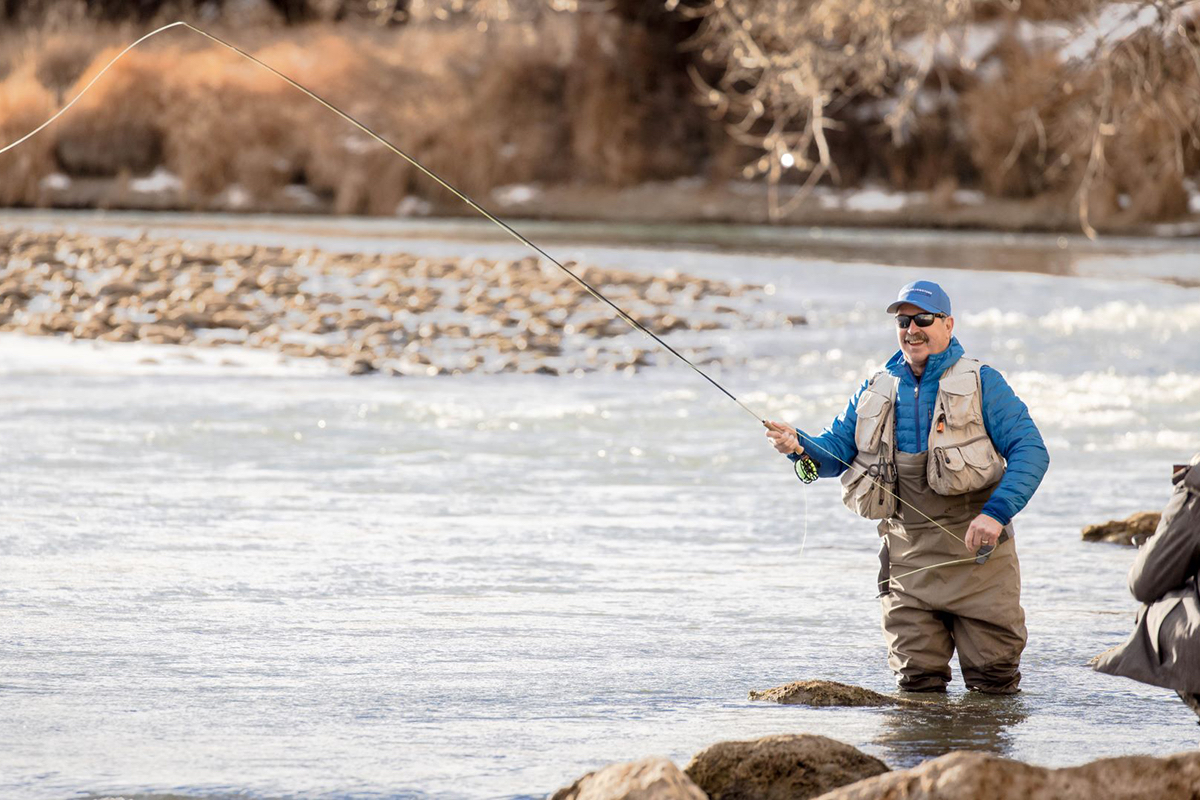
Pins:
<point x="868" y="488"/>
<point x="872" y="411"/>
<point x="964" y="467"/>
<point x="957" y="401"/>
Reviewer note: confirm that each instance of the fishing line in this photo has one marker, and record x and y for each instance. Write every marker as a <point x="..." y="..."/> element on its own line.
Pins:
<point x="806" y="461"/>
<point x="804" y="538"/>
<point x="890" y="578"/>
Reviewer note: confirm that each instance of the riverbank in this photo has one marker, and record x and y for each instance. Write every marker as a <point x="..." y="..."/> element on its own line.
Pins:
<point x="1169" y="259"/>
<point x="592" y="114"/>
<point x="677" y="202"/>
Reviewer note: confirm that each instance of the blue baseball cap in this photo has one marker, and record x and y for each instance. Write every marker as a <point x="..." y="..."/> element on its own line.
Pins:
<point x="925" y="295"/>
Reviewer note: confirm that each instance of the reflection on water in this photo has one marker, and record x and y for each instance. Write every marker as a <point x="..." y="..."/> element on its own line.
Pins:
<point x="911" y="734"/>
<point x="264" y="583"/>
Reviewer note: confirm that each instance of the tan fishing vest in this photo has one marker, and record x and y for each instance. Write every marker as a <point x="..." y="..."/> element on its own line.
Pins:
<point x="962" y="458"/>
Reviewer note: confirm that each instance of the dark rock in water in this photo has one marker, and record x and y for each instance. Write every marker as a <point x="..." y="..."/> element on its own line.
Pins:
<point x="975" y="775"/>
<point x="648" y="779"/>
<point x="823" y="693"/>
<point x="787" y="766"/>
<point x="1132" y="531"/>
<point x="362" y="366"/>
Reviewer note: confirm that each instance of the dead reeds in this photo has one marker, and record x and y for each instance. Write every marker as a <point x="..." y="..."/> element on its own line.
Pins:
<point x="570" y="97"/>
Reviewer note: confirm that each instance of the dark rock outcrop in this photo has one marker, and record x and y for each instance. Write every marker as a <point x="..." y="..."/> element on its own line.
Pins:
<point x="1130" y="531"/>
<point x="648" y="779"/>
<point x="786" y="767"/>
<point x="977" y="775"/>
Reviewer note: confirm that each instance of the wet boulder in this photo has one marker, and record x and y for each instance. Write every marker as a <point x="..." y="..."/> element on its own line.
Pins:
<point x="823" y="693"/>
<point x="966" y="774"/>
<point x="1132" y="531"/>
<point x="788" y="766"/>
<point x="648" y="779"/>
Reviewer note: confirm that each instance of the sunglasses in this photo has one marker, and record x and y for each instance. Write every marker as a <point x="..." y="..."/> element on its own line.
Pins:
<point x="922" y="320"/>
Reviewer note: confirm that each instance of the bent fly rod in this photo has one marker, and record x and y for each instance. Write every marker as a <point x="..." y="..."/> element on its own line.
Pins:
<point x="414" y="162"/>
<point x="806" y="467"/>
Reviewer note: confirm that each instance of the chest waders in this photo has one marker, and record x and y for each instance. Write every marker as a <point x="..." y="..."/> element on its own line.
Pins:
<point x="972" y="608"/>
<point x="930" y="607"/>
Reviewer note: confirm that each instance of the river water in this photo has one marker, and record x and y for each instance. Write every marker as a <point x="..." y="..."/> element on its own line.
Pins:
<point x="275" y="580"/>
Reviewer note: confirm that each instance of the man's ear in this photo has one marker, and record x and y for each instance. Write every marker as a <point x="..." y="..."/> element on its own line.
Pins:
<point x="949" y="324"/>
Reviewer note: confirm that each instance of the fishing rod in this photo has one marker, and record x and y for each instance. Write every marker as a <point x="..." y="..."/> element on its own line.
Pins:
<point x="806" y="467"/>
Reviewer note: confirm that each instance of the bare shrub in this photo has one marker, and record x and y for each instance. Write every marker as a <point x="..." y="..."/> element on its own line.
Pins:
<point x="24" y="104"/>
<point x="483" y="107"/>
<point x="1014" y="126"/>
<point x="116" y="127"/>
<point x="1144" y="131"/>
<point x="1115" y="132"/>
<point x="1038" y="10"/>
<point x="62" y="58"/>
<point x="780" y="66"/>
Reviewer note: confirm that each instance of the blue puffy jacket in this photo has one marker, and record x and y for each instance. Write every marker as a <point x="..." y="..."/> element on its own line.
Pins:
<point x="1007" y="420"/>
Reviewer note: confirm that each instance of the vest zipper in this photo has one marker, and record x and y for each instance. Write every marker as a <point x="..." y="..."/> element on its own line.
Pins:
<point x="917" y="412"/>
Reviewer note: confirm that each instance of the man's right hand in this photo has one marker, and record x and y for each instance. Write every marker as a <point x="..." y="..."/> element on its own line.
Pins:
<point x="783" y="438"/>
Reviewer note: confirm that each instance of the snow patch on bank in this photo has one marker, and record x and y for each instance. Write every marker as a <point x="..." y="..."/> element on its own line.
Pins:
<point x="160" y="181"/>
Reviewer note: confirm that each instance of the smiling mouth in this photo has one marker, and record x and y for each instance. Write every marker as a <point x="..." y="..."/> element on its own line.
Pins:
<point x="915" y="340"/>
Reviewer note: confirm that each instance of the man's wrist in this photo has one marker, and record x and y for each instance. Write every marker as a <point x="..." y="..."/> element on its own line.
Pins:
<point x="992" y="515"/>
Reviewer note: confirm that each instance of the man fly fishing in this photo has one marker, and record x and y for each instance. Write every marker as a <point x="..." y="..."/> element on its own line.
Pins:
<point x="933" y="469"/>
<point x="940" y="449"/>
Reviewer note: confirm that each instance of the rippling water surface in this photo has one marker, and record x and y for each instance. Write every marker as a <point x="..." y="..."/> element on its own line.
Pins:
<point x="283" y="581"/>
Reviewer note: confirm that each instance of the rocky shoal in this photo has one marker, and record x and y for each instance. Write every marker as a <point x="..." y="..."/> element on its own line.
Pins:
<point x="803" y="766"/>
<point x="401" y="314"/>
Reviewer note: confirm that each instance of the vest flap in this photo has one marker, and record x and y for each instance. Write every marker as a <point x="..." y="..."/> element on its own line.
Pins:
<point x="871" y="404"/>
<point x="959" y="384"/>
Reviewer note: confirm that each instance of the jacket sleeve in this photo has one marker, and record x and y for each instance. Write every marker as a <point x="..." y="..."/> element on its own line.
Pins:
<point x="1172" y="555"/>
<point x="1017" y="439"/>
<point x="834" y="448"/>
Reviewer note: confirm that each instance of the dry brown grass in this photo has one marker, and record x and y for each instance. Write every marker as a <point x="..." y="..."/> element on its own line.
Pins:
<point x="117" y="127"/>
<point x="601" y="98"/>
<point x="24" y="104"/>
<point x="570" y="97"/>
<point x="62" y="59"/>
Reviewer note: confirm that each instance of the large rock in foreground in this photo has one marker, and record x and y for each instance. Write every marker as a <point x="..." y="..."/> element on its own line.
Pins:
<point x="823" y="693"/>
<point x="1130" y="531"/>
<point x="977" y="775"/>
<point x="648" y="779"/>
<point x="787" y="767"/>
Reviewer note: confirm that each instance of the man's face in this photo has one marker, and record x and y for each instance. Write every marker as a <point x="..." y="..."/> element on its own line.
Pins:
<point x="918" y="343"/>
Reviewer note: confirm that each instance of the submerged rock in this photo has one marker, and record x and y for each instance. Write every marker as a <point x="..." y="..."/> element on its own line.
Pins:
<point x="1131" y="531"/>
<point x="823" y="693"/>
<point x="786" y="766"/>
<point x="968" y="775"/>
<point x="648" y="779"/>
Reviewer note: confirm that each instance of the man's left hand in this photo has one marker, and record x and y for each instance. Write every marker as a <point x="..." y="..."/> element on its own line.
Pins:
<point x="983" y="530"/>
